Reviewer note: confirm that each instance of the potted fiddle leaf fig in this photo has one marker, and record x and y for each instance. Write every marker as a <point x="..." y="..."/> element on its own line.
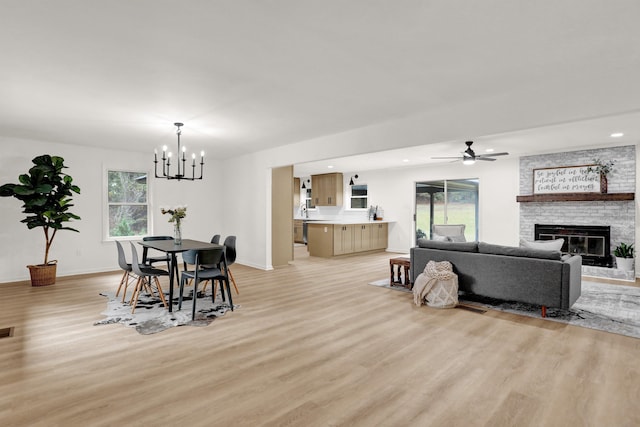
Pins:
<point x="45" y="192"/>
<point x="624" y="256"/>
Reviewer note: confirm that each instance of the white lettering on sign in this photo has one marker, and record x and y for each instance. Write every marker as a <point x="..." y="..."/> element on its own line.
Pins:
<point x="570" y="179"/>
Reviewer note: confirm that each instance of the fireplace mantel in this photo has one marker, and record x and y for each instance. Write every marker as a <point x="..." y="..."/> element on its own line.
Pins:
<point x="576" y="197"/>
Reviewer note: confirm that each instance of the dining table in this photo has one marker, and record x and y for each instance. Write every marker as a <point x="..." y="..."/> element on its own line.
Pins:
<point x="170" y="247"/>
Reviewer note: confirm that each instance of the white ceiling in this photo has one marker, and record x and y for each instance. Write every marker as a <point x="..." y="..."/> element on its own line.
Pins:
<point x="248" y="75"/>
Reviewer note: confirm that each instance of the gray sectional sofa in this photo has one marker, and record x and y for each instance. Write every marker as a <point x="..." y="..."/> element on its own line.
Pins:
<point x="541" y="277"/>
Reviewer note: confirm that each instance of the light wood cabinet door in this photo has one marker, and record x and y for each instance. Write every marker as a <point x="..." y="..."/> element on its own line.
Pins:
<point x="342" y="239"/>
<point x="379" y="236"/>
<point x="362" y="237"/>
<point x="327" y="189"/>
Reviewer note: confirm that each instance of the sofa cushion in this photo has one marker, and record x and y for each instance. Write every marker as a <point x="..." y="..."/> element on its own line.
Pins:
<point x="449" y="246"/>
<point x="549" y="245"/>
<point x="487" y="248"/>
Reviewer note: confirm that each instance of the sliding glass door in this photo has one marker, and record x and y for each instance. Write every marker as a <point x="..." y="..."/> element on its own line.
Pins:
<point x="447" y="202"/>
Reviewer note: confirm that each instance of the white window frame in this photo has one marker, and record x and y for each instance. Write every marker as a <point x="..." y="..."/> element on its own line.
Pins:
<point x="105" y="205"/>
<point x="351" y="196"/>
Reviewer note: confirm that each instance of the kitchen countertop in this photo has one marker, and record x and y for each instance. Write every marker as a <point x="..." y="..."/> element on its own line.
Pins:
<point x="343" y="222"/>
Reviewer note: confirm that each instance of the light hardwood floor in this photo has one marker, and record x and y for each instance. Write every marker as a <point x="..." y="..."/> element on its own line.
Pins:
<point x="311" y="345"/>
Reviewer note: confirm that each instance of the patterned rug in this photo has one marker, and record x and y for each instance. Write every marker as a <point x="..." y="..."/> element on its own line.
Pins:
<point x="151" y="316"/>
<point x="601" y="306"/>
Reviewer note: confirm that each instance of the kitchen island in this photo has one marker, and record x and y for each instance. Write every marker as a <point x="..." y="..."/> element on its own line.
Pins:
<point x="334" y="238"/>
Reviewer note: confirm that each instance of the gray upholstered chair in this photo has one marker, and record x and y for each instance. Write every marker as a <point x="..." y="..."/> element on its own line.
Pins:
<point x="210" y="264"/>
<point x="230" y="252"/>
<point x="145" y="273"/>
<point x="448" y="232"/>
<point x="150" y="260"/>
<point x="128" y="276"/>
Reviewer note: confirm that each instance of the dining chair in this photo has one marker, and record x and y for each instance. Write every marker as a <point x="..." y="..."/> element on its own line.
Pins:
<point x="215" y="239"/>
<point x="145" y="273"/>
<point x="230" y="252"/>
<point x="127" y="276"/>
<point x="149" y="261"/>
<point x="189" y="258"/>
<point x="210" y="264"/>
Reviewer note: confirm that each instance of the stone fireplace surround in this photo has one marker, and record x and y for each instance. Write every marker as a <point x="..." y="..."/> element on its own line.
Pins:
<point x="619" y="215"/>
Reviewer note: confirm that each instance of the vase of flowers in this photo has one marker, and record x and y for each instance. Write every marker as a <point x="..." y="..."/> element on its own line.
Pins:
<point x="177" y="214"/>
<point x="603" y="168"/>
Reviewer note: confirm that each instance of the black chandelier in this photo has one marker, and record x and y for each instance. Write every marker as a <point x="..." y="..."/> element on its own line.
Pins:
<point x="166" y="161"/>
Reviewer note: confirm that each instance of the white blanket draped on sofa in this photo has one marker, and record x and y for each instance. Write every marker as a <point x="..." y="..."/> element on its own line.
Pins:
<point x="438" y="285"/>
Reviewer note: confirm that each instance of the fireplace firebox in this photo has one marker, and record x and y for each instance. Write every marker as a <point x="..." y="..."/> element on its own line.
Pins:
<point x="592" y="242"/>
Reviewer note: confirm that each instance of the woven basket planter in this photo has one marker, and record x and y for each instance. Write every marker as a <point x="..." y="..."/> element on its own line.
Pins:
<point x="43" y="274"/>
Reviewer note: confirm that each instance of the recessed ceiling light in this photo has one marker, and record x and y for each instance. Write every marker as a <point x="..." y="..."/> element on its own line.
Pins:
<point x="330" y="166"/>
<point x="405" y="160"/>
<point x="617" y="134"/>
<point x="489" y="150"/>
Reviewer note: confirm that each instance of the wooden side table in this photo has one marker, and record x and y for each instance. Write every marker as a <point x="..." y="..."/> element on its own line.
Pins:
<point x="396" y="266"/>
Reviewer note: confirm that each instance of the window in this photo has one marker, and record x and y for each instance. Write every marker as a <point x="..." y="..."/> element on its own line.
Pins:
<point x="359" y="196"/>
<point x="447" y="202"/>
<point x="127" y="203"/>
<point x="308" y="199"/>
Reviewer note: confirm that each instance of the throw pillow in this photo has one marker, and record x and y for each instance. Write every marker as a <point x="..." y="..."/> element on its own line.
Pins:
<point x="549" y="245"/>
<point x="439" y="238"/>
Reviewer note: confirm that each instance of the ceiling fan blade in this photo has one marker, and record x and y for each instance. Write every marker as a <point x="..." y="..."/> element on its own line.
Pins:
<point x="498" y="154"/>
<point x="488" y="159"/>
<point x="445" y="158"/>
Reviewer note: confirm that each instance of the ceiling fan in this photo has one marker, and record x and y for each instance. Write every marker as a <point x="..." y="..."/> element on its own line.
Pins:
<point x="469" y="156"/>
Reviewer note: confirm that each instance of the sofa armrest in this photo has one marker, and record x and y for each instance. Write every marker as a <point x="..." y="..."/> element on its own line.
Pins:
<point x="574" y="264"/>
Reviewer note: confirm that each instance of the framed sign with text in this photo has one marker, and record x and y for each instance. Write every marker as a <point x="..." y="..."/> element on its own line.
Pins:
<point x="568" y="179"/>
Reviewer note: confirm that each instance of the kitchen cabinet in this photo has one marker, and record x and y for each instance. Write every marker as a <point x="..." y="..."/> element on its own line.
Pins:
<point x="362" y="237"/>
<point x="320" y="239"/>
<point x="298" y="228"/>
<point x="379" y="235"/>
<point x="327" y="189"/>
<point x="328" y="239"/>
<point x="342" y="239"/>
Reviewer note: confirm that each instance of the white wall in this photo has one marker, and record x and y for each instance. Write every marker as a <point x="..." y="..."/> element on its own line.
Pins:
<point x="86" y="251"/>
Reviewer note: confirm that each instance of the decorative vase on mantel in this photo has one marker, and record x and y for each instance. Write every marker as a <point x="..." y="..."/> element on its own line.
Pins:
<point x="177" y="233"/>
<point x="603" y="183"/>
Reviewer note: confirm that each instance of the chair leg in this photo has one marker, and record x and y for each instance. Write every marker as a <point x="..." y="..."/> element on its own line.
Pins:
<point x="224" y="299"/>
<point x="233" y="280"/>
<point x="125" y="276"/>
<point x="214" y="290"/>
<point x="136" y="294"/>
<point x="204" y="287"/>
<point x="229" y="292"/>
<point x="180" y="296"/>
<point x="160" y="293"/>
<point x="195" y="298"/>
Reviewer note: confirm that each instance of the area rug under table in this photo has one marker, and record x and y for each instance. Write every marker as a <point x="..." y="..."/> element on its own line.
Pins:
<point x="601" y="306"/>
<point x="151" y="316"/>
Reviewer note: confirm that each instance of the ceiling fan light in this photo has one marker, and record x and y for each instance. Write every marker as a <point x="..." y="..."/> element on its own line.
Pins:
<point x="468" y="161"/>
